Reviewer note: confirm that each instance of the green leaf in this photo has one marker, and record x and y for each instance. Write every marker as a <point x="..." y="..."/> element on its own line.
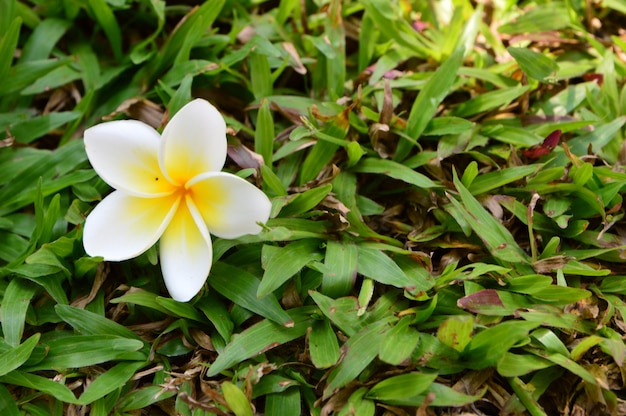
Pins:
<point x="358" y="352"/>
<point x="142" y="298"/>
<point x="561" y="294"/>
<point x="260" y="77"/>
<point x="417" y="270"/>
<point x="614" y="284"/>
<point x="590" y="198"/>
<point x="585" y="345"/>
<point x="396" y="171"/>
<point x="184" y="310"/>
<point x="496" y="179"/>
<point x="264" y="134"/>
<point x="261" y="337"/>
<point x="514" y="365"/>
<point x="399" y="343"/>
<point x="88" y="63"/>
<point x="24" y="74"/>
<point x="272" y="181"/>
<point x="183" y="38"/>
<point x="536" y="65"/>
<point x="444" y="396"/>
<point x="141" y="398"/>
<point x="8" y="406"/>
<point x="355" y="152"/>
<point x="558" y="320"/>
<point x="241" y="287"/>
<point x="8" y="9"/>
<point x="319" y="156"/>
<point x="90" y="323"/>
<point x="106" y="19"/>
<point x="217" y="313"/>
<point x="342" y="312"/>
<point x="181" y="97"/>
<point x="8" y="44"/>
<point x="528" y="284"/>
<point x="571" y="366"/>
<point x="541" y="18"/>
<point x="15" y="357"/>
<point x="488" y="101"/>
<point x="489" y="345"/>
<point x="456" y="331"/>
<point x="525" y="395"/>
<point x="111" y="380"/>
<point x="236" y="399"/>
<point x="323" y="344"/>
<point x="378" y="266"/>
<point x="13" y="309"/>
<point x="57" y="170"/>
<point x="301" y="203"/>
<point x="44" y="37"/>
<point x="430" y="97"/>
<point x="386" y="20"/>
<point x="55" y="389"/>
<point x="280" y="264"/>
<point x="402" y="386"/>
<point x="85" y="350"/>
<point x="344" y="186"/>
<point x="441" y="126"/>
<point x="272" y="383"/>
<point x="550" y="341"/>
<point x="288" y="402"/>
<point x="496" y="237"/>
<point x="144" y="49"/>
<point x="341" y="268"/>
<point x="358" y="405"/>
<point x="335" y="36"/>
<point x="598" y="138"/>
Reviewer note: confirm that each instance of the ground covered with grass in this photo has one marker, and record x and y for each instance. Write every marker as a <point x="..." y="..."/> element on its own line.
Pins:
<point x="446" y="236"/>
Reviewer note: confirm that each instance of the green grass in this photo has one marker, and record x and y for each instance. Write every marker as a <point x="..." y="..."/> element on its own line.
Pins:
<point x="427" y="252"/>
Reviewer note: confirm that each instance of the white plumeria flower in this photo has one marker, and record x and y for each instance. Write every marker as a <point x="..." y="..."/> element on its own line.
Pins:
<point x="169" y="187"/>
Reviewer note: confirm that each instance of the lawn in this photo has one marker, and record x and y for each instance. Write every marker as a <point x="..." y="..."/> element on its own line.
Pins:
<point x="433" y="221"/>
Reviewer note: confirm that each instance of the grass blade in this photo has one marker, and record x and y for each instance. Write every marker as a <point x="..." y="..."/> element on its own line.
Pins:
<point x="536" y="65"/>
<point x="8" y="44"/>
<point x="109" y="381"/>
<point x="497" y="238"/>
<point x="432" y="94"/>
<point x="84" y="350"/>
<point x="90" y="323"/>
<point x="15" y="303"/>
<point x="264" y="134"/>
<point x="341" y="268"/>
<point x="323" y="344"/>
<point x="15" y="357"/>
<point x="242" y="287"/>
<point x="57" y="390"/>
<point x="282" y="263"/>
<point x="395" y="170"/>
<point x="261" y="337"/>
<point x="359" y="351"/>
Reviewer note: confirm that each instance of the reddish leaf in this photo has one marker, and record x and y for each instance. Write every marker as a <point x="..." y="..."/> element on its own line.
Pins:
<point x="544" y="148"/>
<point x="475" y="301"/>
<point x="419" y="25"/>
<point x="599" y="78"/>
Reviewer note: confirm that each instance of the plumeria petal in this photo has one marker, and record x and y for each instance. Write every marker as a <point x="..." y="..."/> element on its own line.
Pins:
<point x="186" y="253"/>
<point x="193" y="142"/>
<point x="169" y="187"/>
<point x="125" y="155"/>
<point x="123" y="226"/>
<point x="229" y="205"/>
